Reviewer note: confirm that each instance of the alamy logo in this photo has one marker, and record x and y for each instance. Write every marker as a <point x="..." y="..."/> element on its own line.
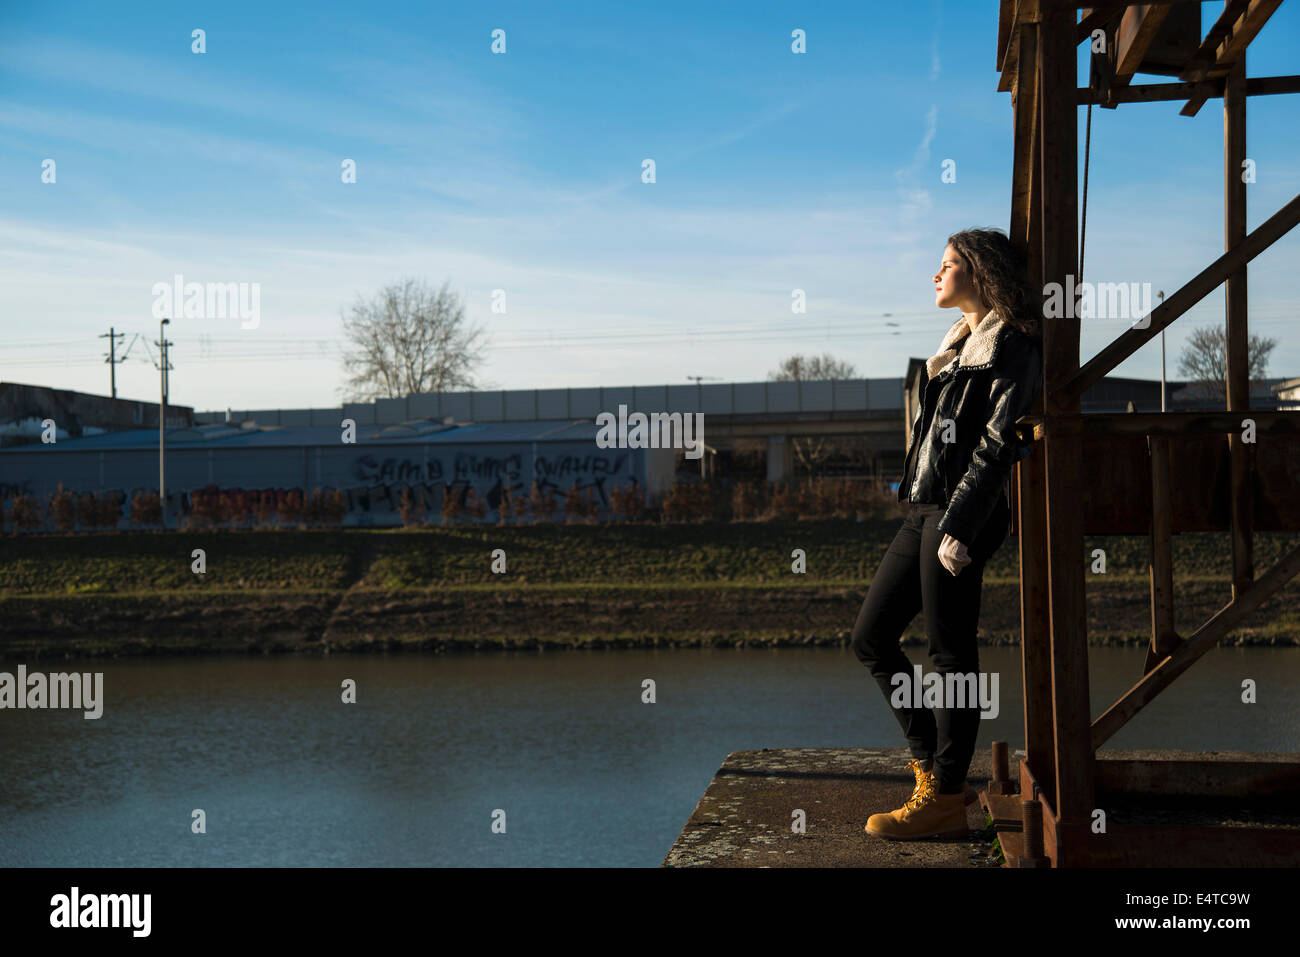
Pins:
<point x="955" y="690"/>
<point x="102" y="910"/>
<point x="666" y="431"/>
<point x="1102" y="300"/>
<point x="59" y="690"/>
<point x="212" y="300"/>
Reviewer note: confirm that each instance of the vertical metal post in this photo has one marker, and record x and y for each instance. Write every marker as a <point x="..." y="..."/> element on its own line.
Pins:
<point x="1240" y="503"/>
<point x="1073" y="795"/>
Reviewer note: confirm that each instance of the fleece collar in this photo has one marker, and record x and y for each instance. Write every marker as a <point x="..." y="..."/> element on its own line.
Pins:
<point x="978" y="351"/>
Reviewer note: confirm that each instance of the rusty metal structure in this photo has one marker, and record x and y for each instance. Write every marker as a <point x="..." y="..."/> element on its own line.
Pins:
<point x="1153" y="473"/>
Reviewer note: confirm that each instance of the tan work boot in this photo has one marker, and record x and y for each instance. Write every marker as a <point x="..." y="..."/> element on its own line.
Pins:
<point x="927" y="814"/>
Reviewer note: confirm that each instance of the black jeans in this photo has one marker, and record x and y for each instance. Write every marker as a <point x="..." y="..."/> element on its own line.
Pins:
<point x="911" y="579"/>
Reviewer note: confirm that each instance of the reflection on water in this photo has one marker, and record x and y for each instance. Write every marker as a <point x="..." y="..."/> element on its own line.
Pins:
<point x="411" y="774"/>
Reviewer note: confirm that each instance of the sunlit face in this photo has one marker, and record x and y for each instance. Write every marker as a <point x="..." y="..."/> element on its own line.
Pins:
<point x="952" y="285"/>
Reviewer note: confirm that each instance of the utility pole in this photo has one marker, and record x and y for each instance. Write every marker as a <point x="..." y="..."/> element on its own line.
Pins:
<point x="162" y="420"/>
<point x="112" y="338"/>
<point x="704" y="449"/>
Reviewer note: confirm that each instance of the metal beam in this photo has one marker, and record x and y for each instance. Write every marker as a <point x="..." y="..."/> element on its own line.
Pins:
<point x="1196" y="289"/>
<point x="1137" y="30"/>
<point x="1205" y="638"/>
<point x="1162" y="423"/>
<point x="1209" y="89"/>
<point x="1244" y="28"/>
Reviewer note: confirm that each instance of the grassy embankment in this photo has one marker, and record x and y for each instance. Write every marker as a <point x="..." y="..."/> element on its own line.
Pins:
<point x="565" y="586"/>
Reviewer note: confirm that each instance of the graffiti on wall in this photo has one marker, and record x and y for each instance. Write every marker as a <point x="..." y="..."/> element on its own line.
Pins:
<point x="490" y="475"/>
<point x="374" y="483"/>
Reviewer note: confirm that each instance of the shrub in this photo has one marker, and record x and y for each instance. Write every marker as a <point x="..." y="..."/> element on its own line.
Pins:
<point x="412" y="511"/>
<point x="782" y="504"/>
<point x="316" y="510"/>
<point x="574" y="506"/>
<point x="110" y="509"/>
<point x="474" y="504"/>
<point x="336" y="507"/>
<point x="687" y="501"/>
<point x="145" y="509"/>
<point x="63" y="509"/>
<point x="289" y="506"/>
<point x="521" y="506"/>
<point x="25" y="513"/>
<point x="626" y="502"/>
<point x="541" y="503"/>
<point x="239" y="505"/>
<point x="453" y="503"/>
<point x="208" y="508"/>
<point x="745" y="501"/>
<point x="265" y="508"/>
<point x="89" y="511"/>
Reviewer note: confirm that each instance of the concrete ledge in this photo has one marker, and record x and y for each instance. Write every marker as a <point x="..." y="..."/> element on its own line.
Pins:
<point x="744" y="818"/>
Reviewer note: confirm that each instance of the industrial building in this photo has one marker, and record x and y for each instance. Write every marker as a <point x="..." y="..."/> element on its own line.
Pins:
<point x="488" y="441"/>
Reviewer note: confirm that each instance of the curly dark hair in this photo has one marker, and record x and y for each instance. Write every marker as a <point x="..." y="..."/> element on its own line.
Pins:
<point x="1000" y="276"/>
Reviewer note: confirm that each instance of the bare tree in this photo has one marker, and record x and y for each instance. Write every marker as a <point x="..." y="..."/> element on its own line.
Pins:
<point x="409" y="339"/>
<point x="1204" y="362"/>
<point x="812" y="369"/>
<point x="812" y="451"/>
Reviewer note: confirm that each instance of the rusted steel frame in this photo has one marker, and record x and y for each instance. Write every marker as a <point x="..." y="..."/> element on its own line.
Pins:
<point x="1187" y="653"/>
<point x="1057" y="123"/>
<point x="1199" y="63"/>
<point x="1035" y="616"/>
<point x="1033" y="785"/>
<point x="1004" y="809"/>
<point x="1163" y="638"/>
<point x="1175" y="777"/>
<point x="1241" y="505"/>
<point x="1012" y="16"/>
<point x="1244" y="29"/>
<point x="1126" y="846"/>
<point x="1280" y="423"/>
<point x="1026" y="225"/>
<point x="1048" y="6"/>
<point x="1226" y="41"/>
<point x="1006" y="31"/>
<point x="1196" y="289"/>
<point x="1092" y="18"/>
<point x="1026" y="232"/>
<point x="1137" y="30"/>
<point x="1157" y="92"/>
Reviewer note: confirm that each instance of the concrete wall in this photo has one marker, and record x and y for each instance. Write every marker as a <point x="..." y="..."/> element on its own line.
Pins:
<point x="515" y="405"/>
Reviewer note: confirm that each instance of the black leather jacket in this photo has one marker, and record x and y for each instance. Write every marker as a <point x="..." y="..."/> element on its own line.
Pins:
<point x="975" y="404"/>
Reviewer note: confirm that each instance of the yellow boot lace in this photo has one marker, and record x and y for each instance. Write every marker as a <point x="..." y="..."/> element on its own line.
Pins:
<point x="925" y="788"/>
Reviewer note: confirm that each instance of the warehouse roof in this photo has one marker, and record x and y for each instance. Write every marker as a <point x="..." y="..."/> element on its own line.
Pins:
<point x="415" y="432"/>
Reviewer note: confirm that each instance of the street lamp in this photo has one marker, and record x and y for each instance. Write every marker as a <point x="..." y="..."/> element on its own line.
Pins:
<point x="1161" y="294"/>
<point x="162" y="418"/>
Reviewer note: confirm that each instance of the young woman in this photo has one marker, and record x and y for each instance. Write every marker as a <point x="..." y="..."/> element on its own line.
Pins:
<point x="986" y="375"/>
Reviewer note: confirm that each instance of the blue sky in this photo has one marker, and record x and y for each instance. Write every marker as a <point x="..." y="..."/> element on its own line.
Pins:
<point x="522" y="172"/>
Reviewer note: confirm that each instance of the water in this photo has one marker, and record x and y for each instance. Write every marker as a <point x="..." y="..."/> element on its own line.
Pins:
<point x="412" y="774"/>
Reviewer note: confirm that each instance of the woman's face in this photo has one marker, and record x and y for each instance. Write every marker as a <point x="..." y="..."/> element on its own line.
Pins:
<point x="952" y="285"/>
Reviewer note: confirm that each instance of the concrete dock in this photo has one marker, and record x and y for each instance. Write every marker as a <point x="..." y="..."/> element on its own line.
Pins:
<point x="744" y="818"/>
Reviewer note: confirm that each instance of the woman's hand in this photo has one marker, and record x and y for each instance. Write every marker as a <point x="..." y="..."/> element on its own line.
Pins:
<point x="953" y="555"/>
